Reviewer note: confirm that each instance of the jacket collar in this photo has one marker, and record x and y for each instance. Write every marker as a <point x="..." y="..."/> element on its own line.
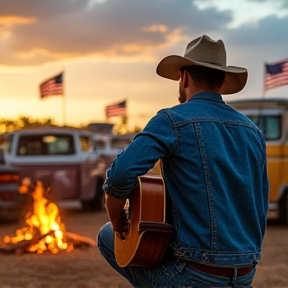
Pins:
<point x="211" y="96"/>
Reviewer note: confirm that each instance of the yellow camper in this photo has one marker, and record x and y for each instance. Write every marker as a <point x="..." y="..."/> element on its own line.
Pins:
<point x="271" y="116"/>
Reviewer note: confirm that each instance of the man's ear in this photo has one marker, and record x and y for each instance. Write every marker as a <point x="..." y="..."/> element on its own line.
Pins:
<point x="185" y="79"/>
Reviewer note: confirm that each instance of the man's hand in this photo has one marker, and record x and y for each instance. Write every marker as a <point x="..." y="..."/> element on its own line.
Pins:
<point x="115" y="210"/>
<point x="122" y="224"/>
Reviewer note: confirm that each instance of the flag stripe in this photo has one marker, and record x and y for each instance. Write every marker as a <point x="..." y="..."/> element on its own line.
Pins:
<point x="118" y="109"/>
<point x="52" y="86"/>
<point x="276" y="74"/>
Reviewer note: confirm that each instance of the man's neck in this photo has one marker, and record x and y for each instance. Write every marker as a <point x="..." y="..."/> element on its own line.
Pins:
<point x="196" y="90"/>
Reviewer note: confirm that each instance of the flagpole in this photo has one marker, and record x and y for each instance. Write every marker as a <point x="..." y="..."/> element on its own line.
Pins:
<point x="264" y="90"/>
<point x="64" y="100"/>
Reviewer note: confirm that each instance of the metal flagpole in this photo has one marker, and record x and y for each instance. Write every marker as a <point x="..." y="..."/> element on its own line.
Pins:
<point x="264" y="90"/>
<point x="63" y="100"/>
<point x="261" y="104"/>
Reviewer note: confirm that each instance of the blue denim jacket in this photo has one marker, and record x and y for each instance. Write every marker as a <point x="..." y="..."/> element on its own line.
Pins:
<point x="214" y="168"/>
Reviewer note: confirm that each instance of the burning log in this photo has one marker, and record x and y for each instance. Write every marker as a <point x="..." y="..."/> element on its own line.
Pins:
<point x="21" y="247"/>
<point x="24" y="246"/>
<point x="79" y="240"/>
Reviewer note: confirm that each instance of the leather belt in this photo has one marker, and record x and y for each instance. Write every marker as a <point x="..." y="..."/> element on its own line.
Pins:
<point x="220" y="271"/>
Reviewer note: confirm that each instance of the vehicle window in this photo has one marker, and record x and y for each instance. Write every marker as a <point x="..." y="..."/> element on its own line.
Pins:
<point x="269" y="125"/>
<point x="85" y="143"/>
<point x="99" y="144"/>
<point x="47" y="144"/>
<point x="119" y="143"/>
<point x="6" y="142"/>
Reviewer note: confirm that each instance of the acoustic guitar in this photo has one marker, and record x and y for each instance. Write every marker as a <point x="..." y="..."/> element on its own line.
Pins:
<point x="147" y="238"/>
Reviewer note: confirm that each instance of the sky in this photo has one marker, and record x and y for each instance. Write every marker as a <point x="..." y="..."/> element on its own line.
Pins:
<point x="109" y="51"/>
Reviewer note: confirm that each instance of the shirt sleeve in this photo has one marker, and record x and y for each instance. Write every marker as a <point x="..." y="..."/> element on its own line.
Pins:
<point x="156" y="141"/>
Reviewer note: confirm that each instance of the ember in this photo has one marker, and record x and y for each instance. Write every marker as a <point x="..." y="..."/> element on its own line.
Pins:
<point x="44" y="230"/>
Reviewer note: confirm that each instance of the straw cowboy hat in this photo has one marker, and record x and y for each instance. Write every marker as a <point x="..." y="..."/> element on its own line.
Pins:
<point x="203" y="51"/>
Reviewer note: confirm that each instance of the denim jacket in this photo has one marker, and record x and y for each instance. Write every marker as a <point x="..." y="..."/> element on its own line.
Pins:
<point x="214" y="169"/>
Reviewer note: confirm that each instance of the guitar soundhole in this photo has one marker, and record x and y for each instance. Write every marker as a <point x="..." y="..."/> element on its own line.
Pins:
<point x="125" y="219"/>
<point x="127" y="209"/>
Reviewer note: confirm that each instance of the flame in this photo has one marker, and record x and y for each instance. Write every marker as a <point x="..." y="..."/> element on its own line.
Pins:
<point x="44" y="227"/>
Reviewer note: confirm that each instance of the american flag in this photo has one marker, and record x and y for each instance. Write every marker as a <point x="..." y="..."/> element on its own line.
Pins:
<point x="52" y="86"/>
<point x="276" y="74"/>
<point x="117" y="109"/>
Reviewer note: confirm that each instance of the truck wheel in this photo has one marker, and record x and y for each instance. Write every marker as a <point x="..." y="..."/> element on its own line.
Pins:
<point x="284" y="209"/>
<point x="99" y="198"/>
<point x="98" y="201"/>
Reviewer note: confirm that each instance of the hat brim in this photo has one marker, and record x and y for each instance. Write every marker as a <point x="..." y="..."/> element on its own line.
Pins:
<point x="235" y="77"/>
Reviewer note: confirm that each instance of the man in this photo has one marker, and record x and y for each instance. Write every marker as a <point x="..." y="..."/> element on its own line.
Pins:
<point x="214" y="169"/>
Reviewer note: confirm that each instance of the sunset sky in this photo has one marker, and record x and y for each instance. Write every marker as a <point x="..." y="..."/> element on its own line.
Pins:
<point x="109" y="50"/>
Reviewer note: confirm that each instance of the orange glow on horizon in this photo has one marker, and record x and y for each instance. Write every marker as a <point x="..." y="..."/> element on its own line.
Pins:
<point x="8" y="21"/>
<point x="35" y="52"/>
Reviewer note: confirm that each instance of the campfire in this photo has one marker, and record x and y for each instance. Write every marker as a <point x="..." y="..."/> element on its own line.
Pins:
<point x="43" y="230"/>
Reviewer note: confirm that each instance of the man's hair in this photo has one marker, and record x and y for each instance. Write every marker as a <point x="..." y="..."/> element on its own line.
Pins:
<point x="204" y="76"/>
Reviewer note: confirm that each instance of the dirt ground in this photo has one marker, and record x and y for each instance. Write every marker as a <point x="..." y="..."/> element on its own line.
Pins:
<point x="85" y="267"/>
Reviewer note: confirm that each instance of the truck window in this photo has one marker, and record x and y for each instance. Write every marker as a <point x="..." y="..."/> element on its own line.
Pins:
<point x="5" y="143"/>
<point x="270" y="125"/>
<point x="99" y="145"/>
<point x="52" y="144"/>
<point x="119" y="143"/>
<point x="85" y="143"/>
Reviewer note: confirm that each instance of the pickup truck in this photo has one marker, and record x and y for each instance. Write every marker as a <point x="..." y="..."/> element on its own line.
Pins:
<point x="11" y="201"/>
<point x="63" y="159"/>
<point x="271" y="116"/>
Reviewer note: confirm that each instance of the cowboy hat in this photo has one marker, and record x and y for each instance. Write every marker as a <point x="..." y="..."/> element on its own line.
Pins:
<point x="203" y="51"/>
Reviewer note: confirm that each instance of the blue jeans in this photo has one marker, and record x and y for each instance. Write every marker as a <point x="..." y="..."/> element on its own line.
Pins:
<point x="172" y="273"/>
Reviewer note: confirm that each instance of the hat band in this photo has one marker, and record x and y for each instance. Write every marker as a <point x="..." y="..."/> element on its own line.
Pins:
<point x="206" y="62"/>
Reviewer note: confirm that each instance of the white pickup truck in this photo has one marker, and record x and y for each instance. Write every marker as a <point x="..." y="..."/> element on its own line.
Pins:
<point x="63" y="159"/>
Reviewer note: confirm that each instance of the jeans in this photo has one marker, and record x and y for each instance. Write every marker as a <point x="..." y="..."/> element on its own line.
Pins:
<point x="170" y="273"/>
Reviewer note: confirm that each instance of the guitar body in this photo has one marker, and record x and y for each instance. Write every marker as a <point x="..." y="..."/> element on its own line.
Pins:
<point x="148" y="236"/>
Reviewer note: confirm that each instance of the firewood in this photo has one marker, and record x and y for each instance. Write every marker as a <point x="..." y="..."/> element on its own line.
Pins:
<point x="12" y="247"/>
<point x="79" y="240"/>
<point x="21" y="246"/>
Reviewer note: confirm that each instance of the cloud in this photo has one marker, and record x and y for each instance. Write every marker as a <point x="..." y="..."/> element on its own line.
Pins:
<point x="246" y="11"/>
<point x="250" y="46"/>
<point x="155" y="28"/>
<point x="268" y="33"/>
<point x="70" y="28"/>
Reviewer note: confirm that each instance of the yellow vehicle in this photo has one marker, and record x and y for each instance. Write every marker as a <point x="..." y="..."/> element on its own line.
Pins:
<point x="271" y="116"/>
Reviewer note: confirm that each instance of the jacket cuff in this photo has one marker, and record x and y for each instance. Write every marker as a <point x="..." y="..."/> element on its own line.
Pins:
<point x="116" y="192"/>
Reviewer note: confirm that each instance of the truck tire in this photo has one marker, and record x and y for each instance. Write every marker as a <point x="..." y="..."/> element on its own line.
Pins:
<point x="283" y="213"/>
<point x="98" y="201"/>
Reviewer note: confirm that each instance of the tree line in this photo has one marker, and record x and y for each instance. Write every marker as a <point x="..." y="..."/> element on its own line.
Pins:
<point x="21" y="122"/>
<point x="8" y="124"/>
